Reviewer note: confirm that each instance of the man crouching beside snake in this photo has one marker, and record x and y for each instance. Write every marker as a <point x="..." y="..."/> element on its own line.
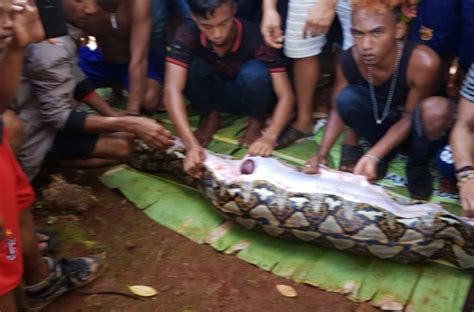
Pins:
<point x="385" y="93"/>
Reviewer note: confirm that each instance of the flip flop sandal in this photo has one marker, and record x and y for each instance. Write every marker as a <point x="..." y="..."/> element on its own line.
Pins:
<point x="289" y="136"/>
<point x="350" y="155"/>
<point x="49" y="238"/>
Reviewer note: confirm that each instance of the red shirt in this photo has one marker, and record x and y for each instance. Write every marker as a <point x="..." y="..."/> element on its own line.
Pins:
<point x="16" y="195"/>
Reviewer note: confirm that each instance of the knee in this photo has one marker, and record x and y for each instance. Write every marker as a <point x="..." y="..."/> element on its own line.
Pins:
<point x="152" y="98"/>
<point x="254" y="75"/>
<point x="436" y="115"/>
<point x="15" y="128"/>
<point x="347" y="101"/>
<point x="124" y="149"/>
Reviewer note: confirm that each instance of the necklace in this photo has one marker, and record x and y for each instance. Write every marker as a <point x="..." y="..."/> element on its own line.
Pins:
<point x="370" y="75"/>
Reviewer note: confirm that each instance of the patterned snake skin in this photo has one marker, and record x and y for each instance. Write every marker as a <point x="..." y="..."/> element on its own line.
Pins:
<point x="332" y="209"/>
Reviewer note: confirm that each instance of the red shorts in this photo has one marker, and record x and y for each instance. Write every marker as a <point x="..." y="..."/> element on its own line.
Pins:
<point x="16" y="195"/>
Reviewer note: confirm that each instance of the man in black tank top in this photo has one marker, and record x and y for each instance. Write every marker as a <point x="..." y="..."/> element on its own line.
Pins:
<point x="385" y="89"/>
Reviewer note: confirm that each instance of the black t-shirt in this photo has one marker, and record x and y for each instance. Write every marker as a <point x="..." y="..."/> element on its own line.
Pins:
<point x="189" y="42"/>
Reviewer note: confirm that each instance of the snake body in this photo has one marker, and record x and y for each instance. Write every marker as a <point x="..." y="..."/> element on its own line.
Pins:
<point x="331" y="209"/>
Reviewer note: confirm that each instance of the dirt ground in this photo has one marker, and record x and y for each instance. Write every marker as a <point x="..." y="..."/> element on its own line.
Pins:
<point x="188" y="276"/>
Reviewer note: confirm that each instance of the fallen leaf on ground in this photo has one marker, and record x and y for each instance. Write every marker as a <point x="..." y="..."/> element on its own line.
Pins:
<point x="143" y="291"/>
<point x="287" y="291"/>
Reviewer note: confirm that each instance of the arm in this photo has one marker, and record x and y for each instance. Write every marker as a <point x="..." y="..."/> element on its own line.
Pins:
<point x="139" y="45"/>
<point x="175" y="105"/>
<point x="100" y="105"/>
<point x="423" y="75"/>
<point x="27" y="28"/>
<point x="333" y="130"/>
<point x="143" y="128"/>
<point x="281" y="84"/>
<point x="271" y="24"/>
<point x="462" y="144"/>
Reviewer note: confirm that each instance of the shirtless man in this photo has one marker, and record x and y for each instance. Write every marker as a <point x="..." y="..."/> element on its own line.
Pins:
<point x="123" y="29"/>
<point x="222" y="64"/>
<point x="51" y="86"/>
<point x="383" y="88"/>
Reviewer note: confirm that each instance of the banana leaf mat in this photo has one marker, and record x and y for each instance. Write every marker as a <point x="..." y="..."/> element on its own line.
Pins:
<point x="388" y="285"/>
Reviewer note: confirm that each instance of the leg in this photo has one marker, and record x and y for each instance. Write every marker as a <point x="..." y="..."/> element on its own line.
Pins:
<point x="253" y="91"/>
<point x="7" y="303"/>
<point x="152" y="96"/>
<point x="306" y="62"/>
<point x="109" y="150"/>
<point x="354" y="107"/>
<point x="35" y="268"/>
<point x="155" y="78"/>
<point x="86" y="150"/>
<point x="306" y="73"/>
<point x="203" y="89"/>
<point x="430" y="126"/>
<point x="15" y="128"/>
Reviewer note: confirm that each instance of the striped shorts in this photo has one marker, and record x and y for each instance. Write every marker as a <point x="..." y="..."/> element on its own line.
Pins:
<point x="296" y="46"/>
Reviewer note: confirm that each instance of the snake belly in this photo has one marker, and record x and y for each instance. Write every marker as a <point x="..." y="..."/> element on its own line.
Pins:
<point x="331" y="209"/>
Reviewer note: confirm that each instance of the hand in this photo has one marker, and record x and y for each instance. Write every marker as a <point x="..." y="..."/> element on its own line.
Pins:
<point x="27" y="26"/>
<point x="466" y="192"/>
<point x="263" y="146"/>
<point x="193" y="162"/>
<point x="312" y="164"/>
<point x="320" y="17"/>
<point x="151" y="132"/>
<point x="367" y="167"/>
<point x="271" y="29"/>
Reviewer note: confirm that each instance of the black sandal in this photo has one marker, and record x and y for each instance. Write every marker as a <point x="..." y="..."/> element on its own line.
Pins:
<point x="289" y="136"/>
<point x="51" y="242"/>
<point x="350" y="155"/>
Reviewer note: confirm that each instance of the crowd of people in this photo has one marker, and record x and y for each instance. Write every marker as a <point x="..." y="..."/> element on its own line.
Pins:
<point x="392" y="89"/>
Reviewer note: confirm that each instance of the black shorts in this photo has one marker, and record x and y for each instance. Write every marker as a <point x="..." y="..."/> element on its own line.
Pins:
<point x="73" y="144"/>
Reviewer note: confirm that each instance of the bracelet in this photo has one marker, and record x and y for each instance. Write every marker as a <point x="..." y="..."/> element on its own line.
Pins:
<point x="465" y="168"/>
<point x="372" y="157"/>
<point x="134" y="114"/>
<point x="463" y="174"/>
<point x="464" y="180"/>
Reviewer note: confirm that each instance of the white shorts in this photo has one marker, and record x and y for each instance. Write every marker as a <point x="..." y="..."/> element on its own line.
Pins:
<point x="298" y="47"/>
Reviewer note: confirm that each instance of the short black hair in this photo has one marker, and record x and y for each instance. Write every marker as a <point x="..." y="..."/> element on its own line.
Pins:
<point x="206" y="8"/>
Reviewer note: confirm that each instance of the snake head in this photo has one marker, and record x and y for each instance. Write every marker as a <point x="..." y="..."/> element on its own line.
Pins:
<point x="247" y="167"/>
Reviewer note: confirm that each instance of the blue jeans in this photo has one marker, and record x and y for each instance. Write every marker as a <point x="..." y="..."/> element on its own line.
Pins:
<point x="355" y="108"/>
<point x="250" y="93"/>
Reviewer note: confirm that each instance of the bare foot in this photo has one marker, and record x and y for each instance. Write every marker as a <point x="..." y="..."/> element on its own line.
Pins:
<point x="252" y="133"/>
<point x="207" y="127"/>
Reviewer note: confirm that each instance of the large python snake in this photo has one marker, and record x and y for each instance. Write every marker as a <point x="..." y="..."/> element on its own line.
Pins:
<point x="332" y="209"/>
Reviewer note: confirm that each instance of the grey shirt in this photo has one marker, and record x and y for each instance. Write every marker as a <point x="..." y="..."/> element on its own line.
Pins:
<point x="45" y="98"/>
